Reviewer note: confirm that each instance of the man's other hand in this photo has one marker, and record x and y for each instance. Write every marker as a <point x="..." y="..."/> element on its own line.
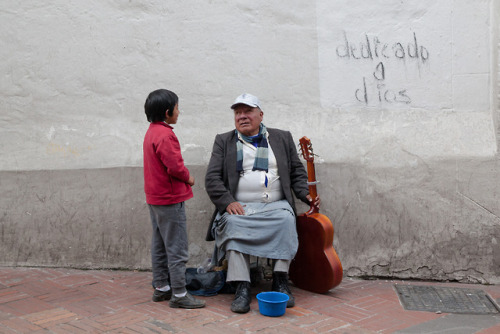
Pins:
<point x="235" y="208"/>
<point x="316" y="203"/>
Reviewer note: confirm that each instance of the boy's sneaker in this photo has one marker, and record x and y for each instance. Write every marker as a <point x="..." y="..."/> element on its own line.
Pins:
<point x="159" y="296"/>
<point x="187" y="301"/>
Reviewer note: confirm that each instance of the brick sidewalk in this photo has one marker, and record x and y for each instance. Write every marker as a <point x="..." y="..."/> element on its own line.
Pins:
<point x="35" y="300"/>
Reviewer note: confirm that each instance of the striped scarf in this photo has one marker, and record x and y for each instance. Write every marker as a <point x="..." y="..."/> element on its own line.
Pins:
<point x="261" y="161"/>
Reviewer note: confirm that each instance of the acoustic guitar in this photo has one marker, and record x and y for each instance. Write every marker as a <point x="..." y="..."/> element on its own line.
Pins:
<point x="316" y="266"/>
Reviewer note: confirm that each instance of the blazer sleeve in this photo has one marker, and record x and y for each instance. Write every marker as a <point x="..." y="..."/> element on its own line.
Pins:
<point x="216" y="179"/>
<point x="298" y="174"/>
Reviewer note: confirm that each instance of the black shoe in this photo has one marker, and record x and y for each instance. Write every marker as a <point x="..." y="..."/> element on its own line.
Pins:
<point x="280" y="284"/>
<point x="241" y="302"/>
<point x="159" y="296"/>
<point x="187" y="301"/>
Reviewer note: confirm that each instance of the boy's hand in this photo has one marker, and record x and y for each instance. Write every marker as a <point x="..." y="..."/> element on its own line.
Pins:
<point x="191" y="180"/>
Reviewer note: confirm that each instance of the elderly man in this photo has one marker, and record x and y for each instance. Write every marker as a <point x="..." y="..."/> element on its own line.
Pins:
<point x="252" y="173"/>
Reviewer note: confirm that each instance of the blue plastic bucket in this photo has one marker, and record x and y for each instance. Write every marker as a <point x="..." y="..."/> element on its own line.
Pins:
<point x="272" y="303"/>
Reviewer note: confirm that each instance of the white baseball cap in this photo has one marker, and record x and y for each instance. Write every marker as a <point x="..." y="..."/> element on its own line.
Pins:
<point x="247" y="99"/>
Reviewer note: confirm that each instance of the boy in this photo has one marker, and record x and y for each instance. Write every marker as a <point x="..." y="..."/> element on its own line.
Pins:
<point x="167" y="184"/>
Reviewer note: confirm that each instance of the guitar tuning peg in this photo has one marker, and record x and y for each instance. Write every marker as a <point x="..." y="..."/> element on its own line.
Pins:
<point x="319" y="159"/>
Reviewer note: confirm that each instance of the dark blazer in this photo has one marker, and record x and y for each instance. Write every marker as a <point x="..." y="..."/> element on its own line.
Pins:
<point x="221" y="180"/>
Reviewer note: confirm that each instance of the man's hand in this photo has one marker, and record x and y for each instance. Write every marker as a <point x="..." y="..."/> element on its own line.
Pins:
<point x="235" y="208"/>
<point x="317" y="202"/>
<point x="191" y="180"/>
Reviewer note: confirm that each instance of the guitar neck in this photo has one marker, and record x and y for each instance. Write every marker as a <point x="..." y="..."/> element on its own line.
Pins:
<point x="311" y="178"/>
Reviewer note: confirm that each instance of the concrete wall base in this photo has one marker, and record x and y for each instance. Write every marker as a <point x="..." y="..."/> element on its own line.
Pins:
<point x="432" y="221"/>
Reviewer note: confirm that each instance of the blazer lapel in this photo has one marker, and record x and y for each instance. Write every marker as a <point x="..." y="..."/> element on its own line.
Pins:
<point x="279" y="152"/>
<point x="232" y="174"/>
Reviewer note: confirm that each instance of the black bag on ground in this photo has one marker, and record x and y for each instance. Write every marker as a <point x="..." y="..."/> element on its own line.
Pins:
<point x="204" y="284"/>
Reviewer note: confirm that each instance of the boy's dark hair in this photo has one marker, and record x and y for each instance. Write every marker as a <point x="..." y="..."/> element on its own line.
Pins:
<point x="158" y="102"/>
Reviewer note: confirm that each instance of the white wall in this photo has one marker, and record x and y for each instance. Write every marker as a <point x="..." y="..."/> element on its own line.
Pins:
<point x="409" y="77"/>
<point x="75" y="76"/>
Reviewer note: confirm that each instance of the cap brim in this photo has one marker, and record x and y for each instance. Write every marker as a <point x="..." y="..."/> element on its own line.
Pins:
<point x="247" y="104"/>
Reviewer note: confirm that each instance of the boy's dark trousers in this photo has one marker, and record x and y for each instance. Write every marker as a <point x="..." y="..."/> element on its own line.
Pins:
<point x="169" y="246"/>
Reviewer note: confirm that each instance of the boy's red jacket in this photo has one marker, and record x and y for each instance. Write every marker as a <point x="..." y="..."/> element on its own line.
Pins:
<point x="165" y="175"/>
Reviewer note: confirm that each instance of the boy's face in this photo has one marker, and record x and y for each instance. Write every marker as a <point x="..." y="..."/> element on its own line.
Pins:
<point x="173" y="119"/>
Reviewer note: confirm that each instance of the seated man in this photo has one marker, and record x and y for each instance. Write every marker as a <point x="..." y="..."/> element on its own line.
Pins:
<point x="250" y="178"/>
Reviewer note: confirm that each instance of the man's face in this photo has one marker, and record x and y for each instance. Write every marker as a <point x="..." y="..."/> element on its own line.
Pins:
<point x="247" y="119"/>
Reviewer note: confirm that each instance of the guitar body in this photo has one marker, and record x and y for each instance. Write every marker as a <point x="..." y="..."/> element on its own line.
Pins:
<point x="316" y="266"/>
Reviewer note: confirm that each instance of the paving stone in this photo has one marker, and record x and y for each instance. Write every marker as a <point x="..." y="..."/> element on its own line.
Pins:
<point x="42" y="300"/>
